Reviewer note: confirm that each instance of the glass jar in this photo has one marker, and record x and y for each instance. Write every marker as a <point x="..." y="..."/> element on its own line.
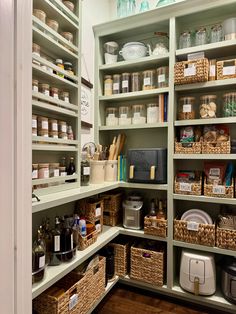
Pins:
<point x="152" y="113"/>
<point x="68" y="66"/>
<point x="44" y="89"/>
<point x="53" y="128"/>
<point x="62" y="127"/>
<point x="161" y="44"/>
<point x="108" y="82"/>
<point x="34" y="125"/>
<point x="60" y="64"/>
<point x="84" y="169"/>
<point x="35" y="86"/>
<point x="125" y="82"/>
<point x="62" y="171"/>
<point x="163" y="77"/>
<point x="216" y="33"/>
<point x="229" y="106"/>
<point x="54" y="170"/>
<point x="185" y="40"/>
<point x="212" y="70"/>
<point x="136" y="82"/>
<point x="186" y="108"/>
<point x="36" y="52"/>
<point x="43" y="172"/>
<point x="54" y="92"/>
<point x="111" y="116"/>
<point x="70" y="133"/>
<point x="70" y="5"/>
<point x="124" y="115"/>
<point x="148" y="79"/>
<point x="68" y="36"/>
<point x="65" y="96"/>
<point x="53" y="24"/>
<point x="35" y="174"/>
<point x="138" y="114"/>
<point x="42" y="126"/>
<point x="201" y="36"/>
<point x="40" y="14"/>
<point x="208" y="106"/>
<point x="116" y="84"/>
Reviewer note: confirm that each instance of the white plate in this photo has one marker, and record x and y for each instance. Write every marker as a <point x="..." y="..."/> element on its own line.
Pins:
<point x="197" y="215"/>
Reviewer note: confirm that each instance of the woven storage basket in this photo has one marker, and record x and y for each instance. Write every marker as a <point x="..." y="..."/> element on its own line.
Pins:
<point x="226" y="238"/>
<point x="112" y="202"/>
<point x="218" y="191"/>
<point x="91" y="208"/>
<point x="189" y="188"/>
<point x="216" y="147"/>
<point x="226" y="69"/>
<point x="84" y="242"/>
<point x="122" y="256"/>
<point x="198" y="73"/>
<point x="147" y="266"/>
<point x="111" y="218"/>
<point x="154" y="226"/>
<point x="203" y="235"/>
<point x="188" y="148"/>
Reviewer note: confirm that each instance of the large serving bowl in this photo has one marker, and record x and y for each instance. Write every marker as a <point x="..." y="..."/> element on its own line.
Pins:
<point x="133" y="50"/>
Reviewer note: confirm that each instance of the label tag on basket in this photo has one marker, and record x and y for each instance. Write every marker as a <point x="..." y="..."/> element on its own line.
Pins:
<point x="73" y="301"/>
<point x="230" y="70"/>
<point x="196" y="56"/>
<point x="192" y="225"/>
<point x="98" y="211"/>
<point x="190" y="71"/>
<point x="218" y="189"/>
<point x="185" y="187"/>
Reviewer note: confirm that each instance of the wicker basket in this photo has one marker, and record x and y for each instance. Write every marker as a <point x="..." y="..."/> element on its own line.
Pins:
<point x="203" y="234"/>
<point x="154" y="226"/>
<point x="147" y="266"/>
<point x="122" y="255"/>
<point x="187" y="72"/>
<point x="111" y="218"/>
<point x="112" y="202"/>
<point x="91" y="208"/>
<point x="84" y="242"/>
<point x="188" y="188"/>
<point x="226" y="238"/>
<point x="188" y="148"/>
<point x="218" y="190"/>
<point x="216" y="147"/>
<point x="225" y="69"/>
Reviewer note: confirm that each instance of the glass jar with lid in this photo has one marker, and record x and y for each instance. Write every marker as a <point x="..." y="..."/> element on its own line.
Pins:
<point x="44" y="89"/>
<point x="161" y="44"/>
<point x="34" y="125"/>
<point x="68" y="36"/>
<point x="108" y="83"/>
<point x="152" y="113"/>
<point x="136" y="82"/>
<point x="65" y="96"/>
<point x="40" y="14"/>
<point x="148" y="79"/>
<point x="68" y="66"/>
<point x="111" y="116"/>
<point x="208" y="106"/>
<point x="43" y="172"/>
<point x="229" y="106"/>
<point x="62" y="130"/>
<point x="54" y="170"/>
<point x="42" y="126"/>
<point x="163" y="77"/>
<point x="54" y="92"/>
<point x="125" y="82"/>
<point x="53" y="128"/>
<point x="53" y="24"/>
<point x="124" y="115"/>
<point x="116" y="87"/>
<point x="138" y="114"/>
<point x="185" y="40"/>
<point x="35" y="171"/>
<point x="36" y="52"/>
<point x="186" y="108"/>
<point x="216" y="33"/>
<point x="35" y="86"/>
<point x="62" y="171"/>
<point x="201" y="36"/>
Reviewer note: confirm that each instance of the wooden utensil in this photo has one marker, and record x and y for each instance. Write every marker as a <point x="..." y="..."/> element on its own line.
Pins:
<point x="117" y="147"/>
<point x="112" y="149"/>
<point x="122" y="143"/>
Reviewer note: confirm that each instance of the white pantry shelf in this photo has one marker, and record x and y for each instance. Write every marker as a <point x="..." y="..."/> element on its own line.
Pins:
<point x="54" y="140"/>
<point x="205" y="156"/>
<point x="59" y="4"/>
<point x="134" y="126"/>
<point x="54" y="179"/>
<point x="211" y="85"/>
<point x="51" y="148"/>
<point x="140" y="234"/>
<point x="146" y="186"/>
<point x="229" y="120"/>
<point x="205" y="199"/>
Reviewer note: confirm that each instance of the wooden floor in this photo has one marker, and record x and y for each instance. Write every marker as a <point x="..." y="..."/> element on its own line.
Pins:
<point x="128" y="300"/>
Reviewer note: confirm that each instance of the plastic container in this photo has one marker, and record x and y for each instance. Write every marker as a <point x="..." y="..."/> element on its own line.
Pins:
<point x="111" y="170"/>
<point x="42" y="126"/>
<point x="40" y="14"/>
<point x="216" y="33"/>
<point x="68" y="36"/>
<point x="163" y="77"/>
<point x="62" y="130"/>
<point x="136" y="80"/>
<point x="152" y="113"/>
<point x="35" y="170"/>
<point x="44" y="89"/>
<point x="54" y="92"/>
<point x="138" y="114"/>
<point x="108" y="84"/>
<point x="43" y="171"/>
<point x="70" y="5"/>
<point x="208" y="106"/>
<point x="125" y="82"/>
<point x="65" y="96"/>
<point x="186" y="108"/>
<point x="201" y="36"/>
<point x="116" y="86"/>
<point x="212" y="70"/>
<point x="185" y="40"/>
<point x="148" y="79"/>
<point x="111" y="116"/>
<point x="97" y="171"/>
<point x="229" y="106"/>
<point x="53" y="24"/>
<point x="34" y="125"/>
<point x="229" y="28"/>
<point x="54" y="170"/>
<point x="35" y="86"/>
<point x="124" y="115"/>
<point x="53" y="128"/>
<point x="110" y="52"/>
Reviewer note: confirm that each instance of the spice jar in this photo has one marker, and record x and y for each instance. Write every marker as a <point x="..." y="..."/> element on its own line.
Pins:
<point x="34" y="125"/>
<point x="163" y="77"/>
<point x="62" y="171"/>
<point x="70" y="133"/>
<point x="124" y="115"/>
<point x="44" y="88"/>
<point x="136" y="82"/>
<point x="68" y="36"/>
<point x="54" y="91"/>
<point x="36" y="52"/>
<point x="53" y="24"/>
<point x="65" y="96"/>
<point x="186" y="108"/>
<point x="62" y="127"/>
<point x="185" y="40"/>
<point x="34" y="171"/>
<point x="70" y="5"/>
<point x="148" y="79"/>
<point x="69" y="68"/>
<point x="201" y="36"/>
<point x="111" y="116"/>
<point x="229" y="106"/>
<point x="53" y="128"/>
<point x="138" y="114"/>
<point x="35" y="86"/>
<point x="43" y="172"/>
<point x="216" y="33"/>
<point x="116" y="84"/>
<point x="59" y="63"/>
<point x="208" y="106"/>
<point x="54" y="170"/>
<point x="152" y="113"/>
<point x="212" y="70"/>
<point x="42" y="126"/>
<point x="41" y="15"/>
<point x="108" y="82"/>
<point x="125" y="82"/>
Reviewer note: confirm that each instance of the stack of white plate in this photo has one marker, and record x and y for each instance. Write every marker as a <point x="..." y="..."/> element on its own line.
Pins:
<point x="198" y="216"/>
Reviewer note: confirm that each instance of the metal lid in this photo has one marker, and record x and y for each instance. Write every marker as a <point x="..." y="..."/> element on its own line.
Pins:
<point x="60" y="61"/>
<point x="208" y="96"/>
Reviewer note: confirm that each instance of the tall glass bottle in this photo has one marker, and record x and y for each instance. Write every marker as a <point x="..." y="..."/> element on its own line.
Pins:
<point x="85" y="169"/>
<point x="47" y="235"/>
<point x="39" y="256"/>
<point x="67" y="240"/>
<point x="56" y="242"/>
<point x="71" y="169"/>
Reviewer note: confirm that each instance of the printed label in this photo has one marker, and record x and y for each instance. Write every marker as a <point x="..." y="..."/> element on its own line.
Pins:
<point x="98" y="227"/>
<point x="214" y="172"/>
<point x="56" y="173"/>
<point x="66" y="99"/>
<point x="187" y="108"/>
<point x="190" y="71"/>
<point x="35" y="174"/>
<point x="108" y="86"/>
<point x="86" y="171"/>
<point x="46" y="93"/>
<point x="161" y="78"/>
<point x="185" y="187"/>
<point x="218" y="189"/>
<point x="116" y="86"/>
<point x="34" y="124"/>
<point x="229" y="70"/>
<point x="147" y="81"/>
<point x="63" y="174"/>
<point x="98" y="211"/>
<point x="44" y="125"/>
<point x="57" y="243"/>
<point x="192" y="225"/>
<point x="212" y="70"/>
<point x="63" y="129"/>
<point x="123" y="116"/>
<point x="111" y="115"/>
<point x="46" y="174"/>
<point x="73" y="301"/>
<point x="125" y="84"/>
<point x="42" y="261"/>
<point x="130" y="218"/>
<point x="35" y="89"/>
<point x="71" y="241"/>
<point x="55" y="96"/>
<point x="137" y="115"/>
<point x="55" y="127"/>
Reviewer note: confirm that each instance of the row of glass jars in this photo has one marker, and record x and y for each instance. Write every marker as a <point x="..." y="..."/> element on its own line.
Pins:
<point x="47" y="170"/>
<point x="208" y="106"/>
<point x="43" y="126"/>
<point x="135" y="114"/>
<point x="136" y="81"/>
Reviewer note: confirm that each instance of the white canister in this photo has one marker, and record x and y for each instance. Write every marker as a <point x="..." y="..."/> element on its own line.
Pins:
<point x="152" y="113"/>
<point x="111" y="170"/>
<point x="97" y="171"/>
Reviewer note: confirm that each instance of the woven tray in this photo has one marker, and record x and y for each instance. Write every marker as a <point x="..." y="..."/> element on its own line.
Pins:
<point x="198" y="72"/>
<point x="147" y="266"/>
<point x="224" y="69"/>
<point x="226" y="238"/>
<point x="91" y="209"/>
<point x="188" y="189"/>
<point x="216" y="148"/>
<point x="84" y="242"/>
<point x="111" y="218"/>
<point x="154" y="226"/>
<point x="112" y="202"/>
<point x="122" y="256"/>
<point x="203" y="234"/>
<point x="188" y="148"/>
<point x="218" y="191"/>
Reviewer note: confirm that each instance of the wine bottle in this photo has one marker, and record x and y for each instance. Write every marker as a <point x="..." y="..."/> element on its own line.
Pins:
<point x="71" y="169"/>
<point x="39" y="256"/>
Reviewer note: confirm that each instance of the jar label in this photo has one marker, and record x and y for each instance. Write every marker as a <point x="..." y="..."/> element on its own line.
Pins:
<point x="73" y="301"/>
<point x="98" y="227"/>
<point x="125" y="84"/>
<point x="34" y="124"/>
<point x="229" y="70"/>
<point x="56" y="173"/>
<point x="187" y="108"/>
<point x="192" y="225"/>
<point x="161" y="78"/>
<point x="63" y="128"/>
<point x="212" y="70"/>
<point x="130" y="218"/>
<point x="66" y="99"/>
<point x="218" y="189"/>
<point x="55" y="127"/>
<point x="147" y="81"/>
<point x="71" y="241"/>
<point x="57" y="243"/>
<point x="111" y="115"/>
<point x="55" y="96"/>
<point x="44" y="125"/>
<point x="108" y="86"/>
<point x="98" y="211"/>
<point x="185" y="187"/>
<point x="34" y="132"/>
<point x="35" y="89"/>
<point x="190" y="71"/>
<point x="35" y="174"/>
<point x="86" y="171"/>
<point x="136" y="114"/>
<point x="123" y="116"/>
<point x="46" y="93"/>
<point x="46" y="174"/>
<point x="116" y="86"/>
<point x="42" y="261"/>
<point x="63" y="174"/>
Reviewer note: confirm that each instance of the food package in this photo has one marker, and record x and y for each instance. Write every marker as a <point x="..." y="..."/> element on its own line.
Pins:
<point x="215" y="172"/>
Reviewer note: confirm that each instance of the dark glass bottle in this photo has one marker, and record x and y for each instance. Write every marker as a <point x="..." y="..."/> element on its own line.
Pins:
<point x="152" y="211"/>
<point x="56" y="243"/>
<point x="66" y="240"/>
<point x="71" y="169"/>
<point x="85" y="169"/>
<point x="39" y="256"/>
<point x="47" y="235"/>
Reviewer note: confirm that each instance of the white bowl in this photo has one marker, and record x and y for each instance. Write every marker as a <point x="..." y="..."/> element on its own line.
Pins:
<point x="133" y="50"/>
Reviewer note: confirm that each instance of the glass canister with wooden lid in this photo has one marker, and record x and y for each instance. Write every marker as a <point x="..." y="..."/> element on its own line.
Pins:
<point x="186" y="108"/>
<point x="229" y="105"/>
<point x="148" y="79"/>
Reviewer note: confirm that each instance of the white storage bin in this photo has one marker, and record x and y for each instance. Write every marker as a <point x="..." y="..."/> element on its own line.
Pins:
<point x="97" y="171"/>
<point x="111" y="170"/>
